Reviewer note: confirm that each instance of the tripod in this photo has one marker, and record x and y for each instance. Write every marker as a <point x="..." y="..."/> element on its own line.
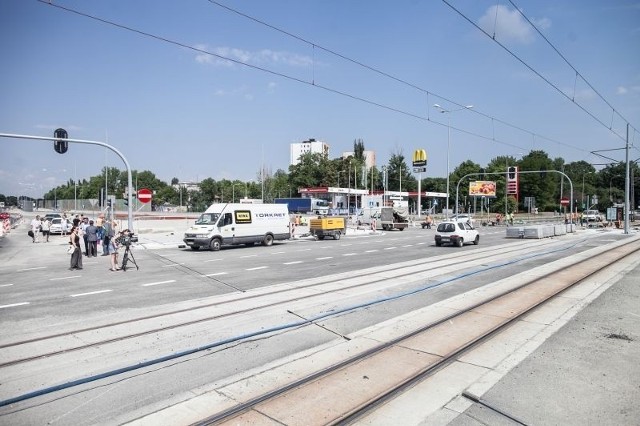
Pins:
<point x="128" y="256"/>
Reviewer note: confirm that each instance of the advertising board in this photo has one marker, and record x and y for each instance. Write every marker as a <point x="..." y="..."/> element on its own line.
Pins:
<point x="483" y="188"/>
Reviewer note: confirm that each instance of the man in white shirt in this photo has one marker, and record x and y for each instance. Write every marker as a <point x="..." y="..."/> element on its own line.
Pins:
<point x="35" y="228"/>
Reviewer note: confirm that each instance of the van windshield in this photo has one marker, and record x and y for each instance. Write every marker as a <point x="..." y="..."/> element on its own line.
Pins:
<point x="208" y="219"/>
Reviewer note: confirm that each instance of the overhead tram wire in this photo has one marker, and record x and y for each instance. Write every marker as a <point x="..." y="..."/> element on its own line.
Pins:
<point x="397" y="79"/>
<point x="533" y="70"/>
<point x="578" y="73"/>
<point x="314" y="84"/>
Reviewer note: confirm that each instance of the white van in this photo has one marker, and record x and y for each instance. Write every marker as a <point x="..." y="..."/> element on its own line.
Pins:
<point x="230" y="224"/>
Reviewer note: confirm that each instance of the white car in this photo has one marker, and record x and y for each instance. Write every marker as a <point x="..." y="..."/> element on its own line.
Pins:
<point x="592" y="216"/>
<point x="56" y="226"/>
<point x="456" y="232"/>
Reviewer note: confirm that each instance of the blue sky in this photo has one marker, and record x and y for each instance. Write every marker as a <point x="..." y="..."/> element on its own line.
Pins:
<point x="179" y="111"/>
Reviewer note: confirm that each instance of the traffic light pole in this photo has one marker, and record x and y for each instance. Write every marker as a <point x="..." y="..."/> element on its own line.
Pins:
<point x="505" y="174"/>
<point x="81" y="141"/>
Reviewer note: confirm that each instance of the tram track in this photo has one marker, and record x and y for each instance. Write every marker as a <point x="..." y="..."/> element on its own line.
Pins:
<point x="360" y="280"/>
<point x="390" y="274"/>
<point x="346" y="391"/>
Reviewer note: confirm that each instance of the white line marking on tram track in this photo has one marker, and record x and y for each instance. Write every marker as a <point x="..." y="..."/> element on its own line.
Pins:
<point x="256" y="268"/>
<point x="32" y="269"/>
<point x="90" y="293"/>
<point x="158" y="283"/>
<point x="13" y="304"/>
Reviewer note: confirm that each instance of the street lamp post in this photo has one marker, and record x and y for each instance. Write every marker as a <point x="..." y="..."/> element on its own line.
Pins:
<point x="448" y="112"/>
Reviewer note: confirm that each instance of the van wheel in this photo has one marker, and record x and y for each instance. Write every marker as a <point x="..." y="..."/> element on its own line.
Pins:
<point x="268" y="240"/>
<point x="336" y="236"/>
<point x="215" y="244"/>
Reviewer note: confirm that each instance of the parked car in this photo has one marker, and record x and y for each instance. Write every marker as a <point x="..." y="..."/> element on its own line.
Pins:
<point x="52" y="216"/>
<point x="592" y="216"/>
<point x="456" y="232"/>
<point x="56" y="226"/>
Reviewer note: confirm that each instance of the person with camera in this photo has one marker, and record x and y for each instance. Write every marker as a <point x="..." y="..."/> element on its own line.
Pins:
<point x="112" y="247"/>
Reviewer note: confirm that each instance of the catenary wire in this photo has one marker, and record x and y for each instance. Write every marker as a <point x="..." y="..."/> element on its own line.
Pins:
<point x="533" y="70"/>
<point x="327" y="88"/>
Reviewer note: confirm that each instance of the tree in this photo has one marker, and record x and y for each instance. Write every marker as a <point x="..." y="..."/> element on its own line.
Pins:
<point x="540" y="185"/>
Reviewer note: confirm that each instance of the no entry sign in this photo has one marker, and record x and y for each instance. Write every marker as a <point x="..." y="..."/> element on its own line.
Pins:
<point x="144" y="195"/>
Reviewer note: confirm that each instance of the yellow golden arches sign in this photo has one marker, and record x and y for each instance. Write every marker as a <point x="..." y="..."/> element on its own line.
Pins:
<point x="419" y="158"/>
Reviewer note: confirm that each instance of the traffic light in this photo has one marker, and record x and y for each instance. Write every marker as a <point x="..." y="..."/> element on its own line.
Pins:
<point x="512" y="172"/>
<point x="60" y="146"/>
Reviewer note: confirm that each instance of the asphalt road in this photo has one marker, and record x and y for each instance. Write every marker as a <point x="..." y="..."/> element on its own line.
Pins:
<point x="38" y="292"/>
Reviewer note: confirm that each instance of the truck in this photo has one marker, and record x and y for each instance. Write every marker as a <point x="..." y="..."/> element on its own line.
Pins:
<point x="236" y="223"/>
<point x="392" y="218"/>
<point x="327" y="227"/>
<point x="305" y="205"/>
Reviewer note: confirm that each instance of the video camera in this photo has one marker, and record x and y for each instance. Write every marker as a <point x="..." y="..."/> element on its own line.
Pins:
<point x="126" y="237"/>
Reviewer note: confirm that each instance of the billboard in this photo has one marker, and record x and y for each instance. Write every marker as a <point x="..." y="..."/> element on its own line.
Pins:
<point x="485" y="188"/>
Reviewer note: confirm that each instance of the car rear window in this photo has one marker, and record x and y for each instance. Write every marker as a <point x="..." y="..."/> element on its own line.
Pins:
<point x="446" y="227"/>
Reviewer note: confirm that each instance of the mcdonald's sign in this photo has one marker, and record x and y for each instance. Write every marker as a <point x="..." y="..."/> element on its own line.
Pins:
<point x="419" y="158"/>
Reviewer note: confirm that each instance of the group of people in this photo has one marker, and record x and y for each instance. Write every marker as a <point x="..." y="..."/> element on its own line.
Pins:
<point x="90" y="233"/>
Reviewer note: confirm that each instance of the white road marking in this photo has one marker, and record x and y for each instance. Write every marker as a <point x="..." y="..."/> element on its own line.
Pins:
<point x="250" y="255"/>
<point x="408" y="245"/>
<point x="278" y="252"/>
<point x="6" y="285"/>
<point x="292" y="263"/>
<point x="13" y="304"/>
<point x="256" y="268"/>
<point x="173" y="264"/>
<point x="213" y="260"/>
<point x="215" y="274"/>
<point x="32" y="269"/>
<point x="350" y="254"/>
<point x="371" y="251"/>
<point x="390" y="248"/>
<point x="65" y="278"/>
<point x="324" y="258"/>
<point x="159" y="282"/>
<point x="90" y="293"/>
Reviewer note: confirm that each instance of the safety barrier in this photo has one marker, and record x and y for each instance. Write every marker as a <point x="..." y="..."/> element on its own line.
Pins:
<point x="6" y="227"/>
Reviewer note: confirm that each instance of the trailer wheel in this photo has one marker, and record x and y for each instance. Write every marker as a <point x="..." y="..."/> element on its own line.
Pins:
<point x="268" y="240"/>
<point x="336" y="236"/>
<point x="215" y="244"/>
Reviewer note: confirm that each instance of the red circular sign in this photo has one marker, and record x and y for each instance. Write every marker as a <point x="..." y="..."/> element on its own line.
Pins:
<point x="144" y="195"/>
<point x="564" y="201"/>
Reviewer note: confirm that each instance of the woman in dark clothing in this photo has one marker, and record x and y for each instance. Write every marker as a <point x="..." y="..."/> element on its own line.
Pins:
<point x="76" y="256"/>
